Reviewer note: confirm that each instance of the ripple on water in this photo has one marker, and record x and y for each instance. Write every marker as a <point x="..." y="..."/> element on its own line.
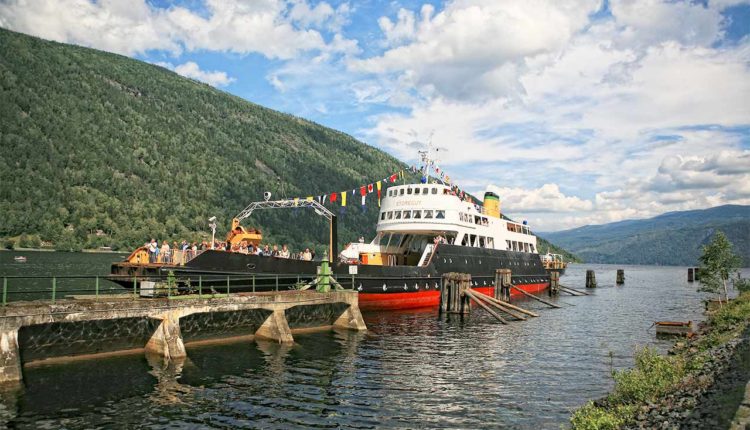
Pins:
<point x="412" y="369"/>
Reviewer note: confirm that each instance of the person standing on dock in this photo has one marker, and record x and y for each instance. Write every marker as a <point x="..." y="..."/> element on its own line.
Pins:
<point x="165" y="256"/>
<point x="152" y="251"/>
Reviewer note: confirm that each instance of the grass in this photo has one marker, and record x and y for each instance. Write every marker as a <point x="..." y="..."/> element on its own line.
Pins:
<point x="655" y="376"/>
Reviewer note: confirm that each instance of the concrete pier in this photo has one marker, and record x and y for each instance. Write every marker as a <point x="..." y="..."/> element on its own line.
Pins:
<point x="336" y="309"/>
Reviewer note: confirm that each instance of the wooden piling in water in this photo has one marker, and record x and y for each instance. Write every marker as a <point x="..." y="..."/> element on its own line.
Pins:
<point x="453" y="297"/>
<point x="573" y="291"/>
<point x="478" y="299"/>
<point x="502" y="284"/>
<point x="590" y="279"/>
<point x="512" y="309"/>
<point x="620" y="276"/>
<point x="535" y="297"/>
<point x="554" y="283"/>
<point x="690" y="274"/>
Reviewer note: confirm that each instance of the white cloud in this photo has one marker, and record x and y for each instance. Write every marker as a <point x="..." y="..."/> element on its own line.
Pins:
<point x="214" y="78"/>
<point x="269" y="27"/>
<point x="547" y="198"/>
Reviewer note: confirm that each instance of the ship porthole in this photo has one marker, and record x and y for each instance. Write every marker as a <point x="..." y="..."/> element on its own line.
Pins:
<point x="405" y="286"/>
<point x="251" y="266"/>
<point x="384" y="287"/>
<point x="437" y="287"/>
<point x="427" y="285"/>
<point x="480" y="261"/>
<point x="450" y="260"/>
<point x="444" y="260"/>
<point x="359" y="288"/>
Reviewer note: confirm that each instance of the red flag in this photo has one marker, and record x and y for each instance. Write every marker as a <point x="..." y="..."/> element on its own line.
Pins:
<point x="369" y="188"/>
<point x="334" y="197"/>
<point x="362" y="191"/>
<point x="394" y="177"/>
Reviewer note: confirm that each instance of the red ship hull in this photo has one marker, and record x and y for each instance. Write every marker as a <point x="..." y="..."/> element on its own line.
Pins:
<point x="425" y="299"/>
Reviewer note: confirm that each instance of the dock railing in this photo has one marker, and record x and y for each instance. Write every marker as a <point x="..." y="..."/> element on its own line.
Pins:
<point x="103" y="287"/>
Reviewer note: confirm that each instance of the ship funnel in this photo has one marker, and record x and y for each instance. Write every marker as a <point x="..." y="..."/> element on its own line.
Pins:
<point x="492" y="204"/>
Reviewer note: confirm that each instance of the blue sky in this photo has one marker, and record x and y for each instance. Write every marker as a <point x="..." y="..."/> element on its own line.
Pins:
<point x="576" y="112"/>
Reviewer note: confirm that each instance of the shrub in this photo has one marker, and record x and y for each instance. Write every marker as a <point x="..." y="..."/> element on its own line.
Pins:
<point x="10" y="244"/>
<point x="592" y="417"/>
<point x="652" y="376"/>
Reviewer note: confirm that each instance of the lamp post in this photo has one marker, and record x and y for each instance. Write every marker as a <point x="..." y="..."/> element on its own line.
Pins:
<point x="212" y="224"/>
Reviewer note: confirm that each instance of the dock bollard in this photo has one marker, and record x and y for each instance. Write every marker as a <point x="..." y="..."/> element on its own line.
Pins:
<point x="590" y="279"/>
<point x="620" y="276"/>
<point x="690" y="274"/>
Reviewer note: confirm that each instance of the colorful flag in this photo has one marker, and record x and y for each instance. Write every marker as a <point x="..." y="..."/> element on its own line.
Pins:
<point x="394" y="177"/>
<point x="362" y="191"/>
<point x="378" y="185"/>
<point x="309" y="198"/>
<point x="370" y="188"/>
<point x="334" y="197"/>
<point x="296" y="201"/>
<point x="343" y="198"/>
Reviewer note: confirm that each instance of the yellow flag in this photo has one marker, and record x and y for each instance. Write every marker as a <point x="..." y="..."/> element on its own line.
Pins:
<point x="309" y="198"/>
<point x="343" y="198"/>
<point x="296" y="201"/>
<point x="378" y="185"/>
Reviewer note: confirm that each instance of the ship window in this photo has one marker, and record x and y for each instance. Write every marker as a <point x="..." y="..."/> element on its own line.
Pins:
<point x="532" y="248"/>
<point x="515" y="245"/>
<point x="398" y="214"/>
<point x="434" y="190"/>
<point x="425" y="190"/>
<point x="440" y="214"/>
<point x="473" y="239"/>
<point x="408" y="191"/>
<point x="402" y="192"/>
<point x="507" y="245"/>
<point x="481" y="241"/>
<point x="390" y="215"/>
<point x="416" y="190"/>
<point x="526" y="247"/>
<point x="382" y="216"/>
<point x="390" y="193"/>
<point x="465" y="240"/>
<point x="407" y="214"/>
<point x="417" y="214"/>
<point x="490" y="242"/>
<point x="428" y="214"/>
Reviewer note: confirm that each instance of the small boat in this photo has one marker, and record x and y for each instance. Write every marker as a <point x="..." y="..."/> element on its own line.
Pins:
<point x="19" y="259"/>
<point x="682" y="328"/>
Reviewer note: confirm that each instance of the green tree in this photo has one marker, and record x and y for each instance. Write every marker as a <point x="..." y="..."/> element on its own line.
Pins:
<point x="718" y="263"/>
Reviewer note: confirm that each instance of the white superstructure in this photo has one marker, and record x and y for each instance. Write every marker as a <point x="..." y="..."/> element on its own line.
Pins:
<point x="415" y="217"/>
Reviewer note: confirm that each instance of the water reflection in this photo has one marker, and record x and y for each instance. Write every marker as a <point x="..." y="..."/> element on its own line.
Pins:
<point x="411" y="369"/>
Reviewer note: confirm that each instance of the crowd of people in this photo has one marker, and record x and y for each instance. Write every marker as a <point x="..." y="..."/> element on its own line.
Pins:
<point x="185" y="251"/>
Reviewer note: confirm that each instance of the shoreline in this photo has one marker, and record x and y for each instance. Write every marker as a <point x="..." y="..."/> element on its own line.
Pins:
<point x="84" y="251"/>
<point x="702" y="382"/>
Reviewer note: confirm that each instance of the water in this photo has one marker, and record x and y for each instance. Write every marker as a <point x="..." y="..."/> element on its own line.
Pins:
<point x="411" y="369"/>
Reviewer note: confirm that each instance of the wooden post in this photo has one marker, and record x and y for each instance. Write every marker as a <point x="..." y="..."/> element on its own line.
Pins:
<point x="620" y="276"/>
<point x="554" y="283"/>
<point x="527" y="294"/>
<point x="502" y="284"/>
<point x="453" y="298"/>
<point x="590" y="279"/>
<point x="690" y="274"/>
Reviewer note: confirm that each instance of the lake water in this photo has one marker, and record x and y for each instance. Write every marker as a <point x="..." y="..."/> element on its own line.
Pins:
<point x="410" y="369"/>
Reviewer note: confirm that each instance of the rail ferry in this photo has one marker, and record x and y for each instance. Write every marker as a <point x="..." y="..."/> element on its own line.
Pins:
<point x="424" y="230"/>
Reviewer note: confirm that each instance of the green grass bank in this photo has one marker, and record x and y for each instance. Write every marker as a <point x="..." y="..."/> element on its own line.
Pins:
<point x="700" y="382"/>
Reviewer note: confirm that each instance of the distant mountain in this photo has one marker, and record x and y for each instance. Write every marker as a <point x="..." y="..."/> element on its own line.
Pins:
<point x="674" y="238"/>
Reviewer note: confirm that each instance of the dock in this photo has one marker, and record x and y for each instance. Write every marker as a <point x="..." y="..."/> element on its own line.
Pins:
<point x="44" y="327"/>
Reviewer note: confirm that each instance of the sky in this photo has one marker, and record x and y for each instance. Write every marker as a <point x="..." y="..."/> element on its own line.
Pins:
<point x="575" y="112"/>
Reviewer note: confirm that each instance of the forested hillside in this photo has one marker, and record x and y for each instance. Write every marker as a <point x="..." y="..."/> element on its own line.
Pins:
<point x="96" y="141"/>
<point x="674" y="238"/>
<point x="103" y="150"/>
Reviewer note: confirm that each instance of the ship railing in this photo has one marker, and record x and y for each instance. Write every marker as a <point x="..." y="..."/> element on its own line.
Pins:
<point x="177" y="257"/>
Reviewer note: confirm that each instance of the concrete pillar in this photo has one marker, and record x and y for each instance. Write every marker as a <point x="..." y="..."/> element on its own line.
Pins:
<point x="275" y="327"/>
<point x="167" y="339"/>
<point x="10" y="358"/>
<point x="351" y="319"/>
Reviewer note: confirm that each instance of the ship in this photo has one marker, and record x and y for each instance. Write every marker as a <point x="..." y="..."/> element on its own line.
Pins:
<point x="554" y="263"/>
<point x="424" y="230"/>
